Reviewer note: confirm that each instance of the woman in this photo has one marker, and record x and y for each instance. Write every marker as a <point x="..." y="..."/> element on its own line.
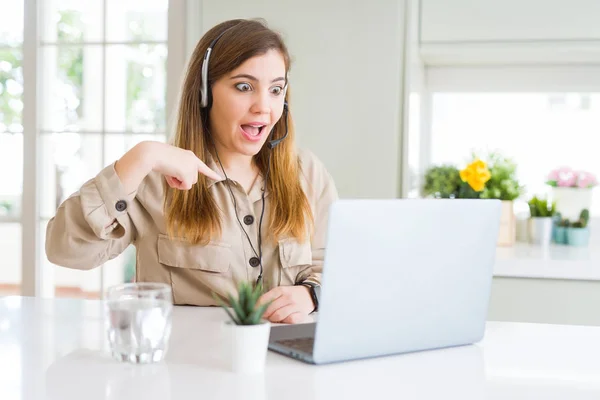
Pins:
<point x="195" y="209"/>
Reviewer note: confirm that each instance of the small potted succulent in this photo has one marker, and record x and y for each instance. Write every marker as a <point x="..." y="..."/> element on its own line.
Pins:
<point x="246" y="333"/>
<point x="541" y="221"/>
<point x="578" y="234"/>
<point x="559" y="233"/>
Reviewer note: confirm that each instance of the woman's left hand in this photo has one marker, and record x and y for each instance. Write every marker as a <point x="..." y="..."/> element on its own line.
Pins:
<point x="290" y="304"/>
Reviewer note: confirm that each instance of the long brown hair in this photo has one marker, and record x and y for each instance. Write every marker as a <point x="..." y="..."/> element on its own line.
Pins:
<point x="194" y="214"/>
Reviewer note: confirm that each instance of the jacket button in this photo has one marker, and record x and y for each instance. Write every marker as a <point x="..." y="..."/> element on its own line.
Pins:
<point x="248" y="219"/>
<point x="254" y="262"/>
<point x="121" y="205"/>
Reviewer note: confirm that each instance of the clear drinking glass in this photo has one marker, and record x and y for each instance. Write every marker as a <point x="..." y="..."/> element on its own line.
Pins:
<point x="138" y="321"/>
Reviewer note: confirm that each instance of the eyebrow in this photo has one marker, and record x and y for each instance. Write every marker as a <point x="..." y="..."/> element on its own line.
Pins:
<point x="253" y="78"/>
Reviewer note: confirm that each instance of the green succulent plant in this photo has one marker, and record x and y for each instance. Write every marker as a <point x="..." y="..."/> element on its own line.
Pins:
<point x="584" y="218"/>
<point x="564" y="223"/>
<point x="246" y="310"/>
<point x="539" y="208"/>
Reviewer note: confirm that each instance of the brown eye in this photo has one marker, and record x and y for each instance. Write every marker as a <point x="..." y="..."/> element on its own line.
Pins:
<point x="243" y="87"/>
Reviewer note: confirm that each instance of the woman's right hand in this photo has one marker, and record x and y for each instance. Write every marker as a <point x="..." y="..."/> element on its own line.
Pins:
<point x="180" y="167"/>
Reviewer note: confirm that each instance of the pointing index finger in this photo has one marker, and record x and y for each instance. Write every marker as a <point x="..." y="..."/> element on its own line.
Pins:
<point x="203" y="169"/>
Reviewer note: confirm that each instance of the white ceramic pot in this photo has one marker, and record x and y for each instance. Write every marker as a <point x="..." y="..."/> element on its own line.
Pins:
<point x="570" y="201"/>
<point x="246" y="346"/>
<point x="540" y="230"/>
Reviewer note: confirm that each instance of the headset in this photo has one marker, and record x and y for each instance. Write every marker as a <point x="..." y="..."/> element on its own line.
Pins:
<point x="206" y="102"/>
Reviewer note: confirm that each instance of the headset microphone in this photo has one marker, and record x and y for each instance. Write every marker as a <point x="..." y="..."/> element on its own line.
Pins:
<point x="272" y="143"/>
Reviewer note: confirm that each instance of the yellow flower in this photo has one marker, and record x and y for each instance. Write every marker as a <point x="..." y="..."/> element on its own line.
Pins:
<point x="476" y="175"/>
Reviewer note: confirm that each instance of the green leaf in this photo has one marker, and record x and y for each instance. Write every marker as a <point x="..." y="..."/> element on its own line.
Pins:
<point x="441" y="181"/>
<point x="226" y="308"/>
<point x="238" y="310"/>
<point x="503" y="183"/>
<point x="257" y="314"/>
<point x="256" y="293"/>
<point x="540" y="207"/>
<point x="242" y="295"/>
<point x="245" y="310"/>
<point x="233" y="318"/>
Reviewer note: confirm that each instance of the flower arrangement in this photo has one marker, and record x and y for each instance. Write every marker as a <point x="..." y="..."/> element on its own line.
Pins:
<point x="476" y="174"/>
<point x="503" y="183"/>
<point x="491" y="178"/>
<point x="567" y="177"/>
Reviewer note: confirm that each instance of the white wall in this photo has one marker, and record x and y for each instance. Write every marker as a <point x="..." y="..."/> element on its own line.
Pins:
<point x="444" y="21"/>
<point x="509" y="32"/>
<point x="346" y="82"/>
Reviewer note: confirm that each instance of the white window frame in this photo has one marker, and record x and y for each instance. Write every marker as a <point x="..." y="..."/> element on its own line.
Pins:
<point x="33" y="280"/>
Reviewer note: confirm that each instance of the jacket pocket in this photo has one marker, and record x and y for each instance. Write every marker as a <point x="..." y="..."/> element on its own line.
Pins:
<point x="196" y="270"/>
<point x="213" y="257"/>
<point x="294" y="256"/>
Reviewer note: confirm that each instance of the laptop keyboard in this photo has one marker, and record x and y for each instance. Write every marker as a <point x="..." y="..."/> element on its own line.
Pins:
<point x="303" y="344"/>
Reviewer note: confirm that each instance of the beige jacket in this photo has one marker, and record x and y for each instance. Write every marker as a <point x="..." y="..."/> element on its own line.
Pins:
<point x="100" y="221"/>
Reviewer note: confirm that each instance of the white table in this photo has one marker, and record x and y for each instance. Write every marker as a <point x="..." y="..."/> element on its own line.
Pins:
<point x="56" y="349"/>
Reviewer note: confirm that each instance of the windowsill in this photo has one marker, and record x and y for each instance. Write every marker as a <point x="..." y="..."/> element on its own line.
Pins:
<point x="555" y="262"/>
<point x="9" y="219"/>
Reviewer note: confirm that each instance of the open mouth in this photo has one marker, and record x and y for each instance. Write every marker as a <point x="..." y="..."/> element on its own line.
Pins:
<point x="253" y="130"/>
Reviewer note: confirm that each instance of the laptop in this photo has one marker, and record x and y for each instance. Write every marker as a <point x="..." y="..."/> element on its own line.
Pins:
<point x="399" y="276"/>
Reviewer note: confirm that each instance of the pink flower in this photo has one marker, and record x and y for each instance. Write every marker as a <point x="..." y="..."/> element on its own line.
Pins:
<point x="566" y="177"/>
<point x="586" y="180"/>
<point x="558" y="176"/>
<point x="567" y="181"/>
<point x="553" y="175"/>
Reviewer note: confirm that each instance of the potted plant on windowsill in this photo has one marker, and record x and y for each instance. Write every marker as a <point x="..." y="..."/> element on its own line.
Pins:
<point x="441" y="182"/>
<point x="504" y="186"/>
<point x="541" y="221"/>
<point x="578" y="234"/>
<point x="571" y="190"/>
<point x="494" y="177"/>
<point x="559" y="232"/>
<point x="246" y="333"/>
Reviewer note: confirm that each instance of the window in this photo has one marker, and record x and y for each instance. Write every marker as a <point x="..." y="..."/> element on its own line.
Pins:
<point x="101" y="87"/>
<point x="11" y="106"/>
<point x="414" y="143"/>
<point x="541" y="131"/>
<point x="103" y="90"/>
<point x="11" y="142"/>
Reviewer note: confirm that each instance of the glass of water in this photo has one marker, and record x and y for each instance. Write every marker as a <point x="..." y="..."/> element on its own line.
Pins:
<point x="138" y="321"/>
